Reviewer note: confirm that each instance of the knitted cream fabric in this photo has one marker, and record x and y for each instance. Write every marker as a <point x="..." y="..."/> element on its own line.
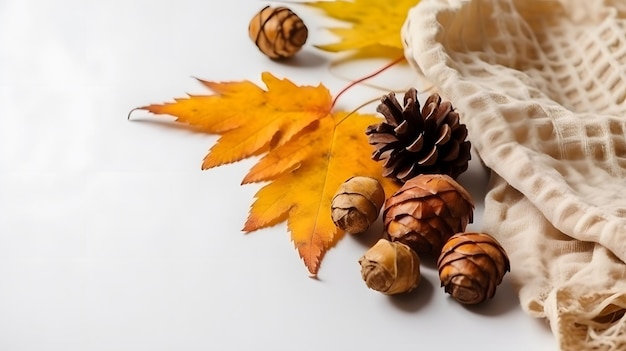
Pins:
<point x="541" y="85"/>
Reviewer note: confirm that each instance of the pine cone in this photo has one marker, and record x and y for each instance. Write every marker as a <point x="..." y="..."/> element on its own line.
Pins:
<point x="278" y="32"/>
<point x="471" y="265"/>
<point x="426" y="211"/>
<point x="412" y="143"/>
<point x="390" y="267"/>
<point x="357" y="203"/>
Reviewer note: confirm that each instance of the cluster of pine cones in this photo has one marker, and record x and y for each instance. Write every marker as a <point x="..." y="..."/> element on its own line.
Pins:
<point x="425" y="150"/>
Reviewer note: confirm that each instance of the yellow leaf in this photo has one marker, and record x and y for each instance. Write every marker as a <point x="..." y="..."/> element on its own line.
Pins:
<point x="214" y="113"/>
<point x="309" y="152"/>
<point x="249" y="118"/>
<point x="319" y="160"/>
<point x="372" y="23"/>
<point x="287" y="157"/>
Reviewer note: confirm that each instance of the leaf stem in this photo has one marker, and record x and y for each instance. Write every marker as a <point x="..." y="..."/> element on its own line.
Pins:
<point x="131" y="112"/>
<point x="362" y="79"/>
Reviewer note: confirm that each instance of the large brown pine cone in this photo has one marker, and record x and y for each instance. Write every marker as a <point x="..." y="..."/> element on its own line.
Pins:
<point x="410" y="142"/>
<point x="471" y="265"/>
<point x="426" y="211"/>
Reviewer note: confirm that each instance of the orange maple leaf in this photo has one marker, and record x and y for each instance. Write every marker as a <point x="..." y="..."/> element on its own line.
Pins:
<point x="318" y="161"/>
<point x="249" y="118"/>
<point x="310" y="151"/>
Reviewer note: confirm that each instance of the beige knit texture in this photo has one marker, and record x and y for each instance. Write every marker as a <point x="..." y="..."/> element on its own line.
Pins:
<point x="541" y="85"/>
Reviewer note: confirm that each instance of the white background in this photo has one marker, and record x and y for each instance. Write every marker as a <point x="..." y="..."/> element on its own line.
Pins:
<point x="111" y="238"/>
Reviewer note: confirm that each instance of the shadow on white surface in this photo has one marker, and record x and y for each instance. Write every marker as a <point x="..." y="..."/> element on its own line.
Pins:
<point x="414" y="301"/>
<point x="504" y="301"/>
<point x="369" y="237"/>
<point x="306" y="58"/>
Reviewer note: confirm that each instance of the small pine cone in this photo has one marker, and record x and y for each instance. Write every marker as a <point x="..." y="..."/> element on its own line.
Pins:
<point x="390" y="268"/>
<point x="471" y="265"/>
<point x="426" y="211"/>
<point x="410" y="142"/>
<point x="357" y="203"/>
<point x="278" y="32"/>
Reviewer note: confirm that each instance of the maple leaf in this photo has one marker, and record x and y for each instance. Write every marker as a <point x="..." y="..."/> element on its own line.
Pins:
<point x="374" y="25"/>
<point x="309" y="152"/>
<point x="249" y="118"/>
<point x="305" y="174"/>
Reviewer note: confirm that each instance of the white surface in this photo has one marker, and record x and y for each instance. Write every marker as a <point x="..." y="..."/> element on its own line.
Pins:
<point x="111" y="238"/>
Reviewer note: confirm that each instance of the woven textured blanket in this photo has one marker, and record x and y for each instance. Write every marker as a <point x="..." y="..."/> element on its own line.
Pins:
<point x="541" y="85"/>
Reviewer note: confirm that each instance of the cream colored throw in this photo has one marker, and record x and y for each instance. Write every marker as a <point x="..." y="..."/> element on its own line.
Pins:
<point x="541" y="85"/>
